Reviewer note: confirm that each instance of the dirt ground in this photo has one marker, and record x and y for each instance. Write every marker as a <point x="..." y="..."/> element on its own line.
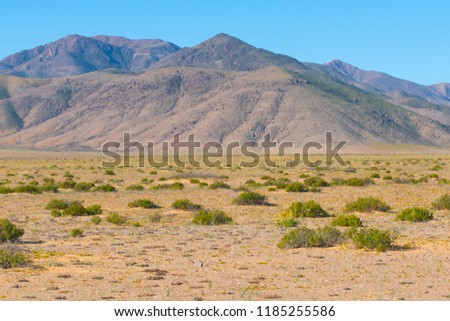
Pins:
<point x="169" y="258"/>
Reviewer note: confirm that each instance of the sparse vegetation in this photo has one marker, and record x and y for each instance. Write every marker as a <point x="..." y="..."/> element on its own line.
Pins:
<point x="11" y="257"/>
<point x="211" y="217"/>
<point x="250" y="198"/>
<point x="96" y="219"/>
<point x="185" y="205"/>
<point x="347" y="220"/>
<point x="442" y="203"/>
<point x="307" y="209"/>
<point x="372" y="238"/>
<point x="116" y="218"/>
<point x="415" y="214"/>
<point x="76" y="232"/>
<point x="305" y="237"/>
<point x="135" y="187"/>
<point x="143" y="203"/>
<point x="315" y="182"/>
<point x="296" y="187"/>
<point x="218" y="184"/>
<point x="83" y="187"/>
<point x="72" y="208"/>
<point x="367" y="204"/>
<point x="105" y="188"/>
<point x="287" y="222"/>
<point x="9" y="232"/>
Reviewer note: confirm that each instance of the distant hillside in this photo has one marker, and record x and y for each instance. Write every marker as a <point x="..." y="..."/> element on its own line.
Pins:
<point x="382" y="82"/>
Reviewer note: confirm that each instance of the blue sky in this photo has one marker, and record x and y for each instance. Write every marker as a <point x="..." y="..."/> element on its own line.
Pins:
<point x="408" y="39"/>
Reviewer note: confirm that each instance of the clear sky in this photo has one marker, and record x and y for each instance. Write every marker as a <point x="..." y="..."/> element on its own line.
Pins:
<point x="408" y="39"/>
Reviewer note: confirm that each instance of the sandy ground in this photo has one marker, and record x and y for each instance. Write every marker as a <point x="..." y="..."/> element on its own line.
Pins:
<point x="174" y="259"/>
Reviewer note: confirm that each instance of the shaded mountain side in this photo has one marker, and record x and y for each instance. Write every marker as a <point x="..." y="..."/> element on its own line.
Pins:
<point x="227" y="53"/>
<point x="75" y="54"/>
<point x="381" y="82"/>
<point x="87" y="110"/>
<point x="141" y="54"/>
<point x="10" y="122"/>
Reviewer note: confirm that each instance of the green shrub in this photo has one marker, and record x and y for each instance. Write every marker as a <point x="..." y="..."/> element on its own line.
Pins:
<point x="109" y="172"/>
<point x="30" y="189"/>
<point x="75" y="209"/>
<point x="202" y="184"/>
<point x="287" y="222"/>
<point x="56" y="213"/>
<point x="367" y="204"/>
<point x="326" y="236"/>
<point x="57" y="204"/>
<point x="116" y="218"/>
<point x="315" y="182"/>
<point x="153" y="173"/>
<point x="76" y="232"/>
<point x="280" y="183"/>
<point x="372" y="238"/>
<point x="105" y="188"/>
<point x="303" y="175"/>
<point x="135" y="187"/>
<point x="300" y="237"/>
<point x="194" y="181"/>
<point x="9" y="232"/>
<point x="442" y="203"/>
<point x="67" y="184"/>
<point x="211" y="217"/>
<point x="307" y="209"/>
<point x="94" y="209"/>
<point x="83" y="187"/>
<point x="12" y="258"/>
<point x="6" y="190"/>
<point x="49" y="188"/>
<point x="144" y="203"/>
<point x="415" y="214"/>
<point x="252" y="184"/>
<point x="353" y="181"/>
<point x="185" y="205"/>
<point x="437" y="168"/>
<point x="218" y="184"/>
<point x="96" y="219"/>
<point x="305" y="237"/>
<point x="296" y="187"/>
<point x="250" y="198"/>
<point x="177" y="186"/>
<point x="375" y="175"/>
<point x="387" y="178"/>
<point x="347" y="220"/>
<point x="160" y="187"/>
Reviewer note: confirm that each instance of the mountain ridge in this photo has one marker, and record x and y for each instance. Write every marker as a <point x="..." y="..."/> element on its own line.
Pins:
<point x="222" y="89"/>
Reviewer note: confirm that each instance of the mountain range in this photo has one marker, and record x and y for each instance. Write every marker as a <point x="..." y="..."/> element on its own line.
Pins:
<point x="79" y="92"/>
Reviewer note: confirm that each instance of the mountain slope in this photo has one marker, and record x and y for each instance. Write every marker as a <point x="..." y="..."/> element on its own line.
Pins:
<point x="85" y="111"/>
<point x="74" y="55"/>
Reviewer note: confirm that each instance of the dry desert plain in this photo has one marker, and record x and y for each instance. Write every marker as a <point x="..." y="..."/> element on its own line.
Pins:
<point x="159" y="254"/>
